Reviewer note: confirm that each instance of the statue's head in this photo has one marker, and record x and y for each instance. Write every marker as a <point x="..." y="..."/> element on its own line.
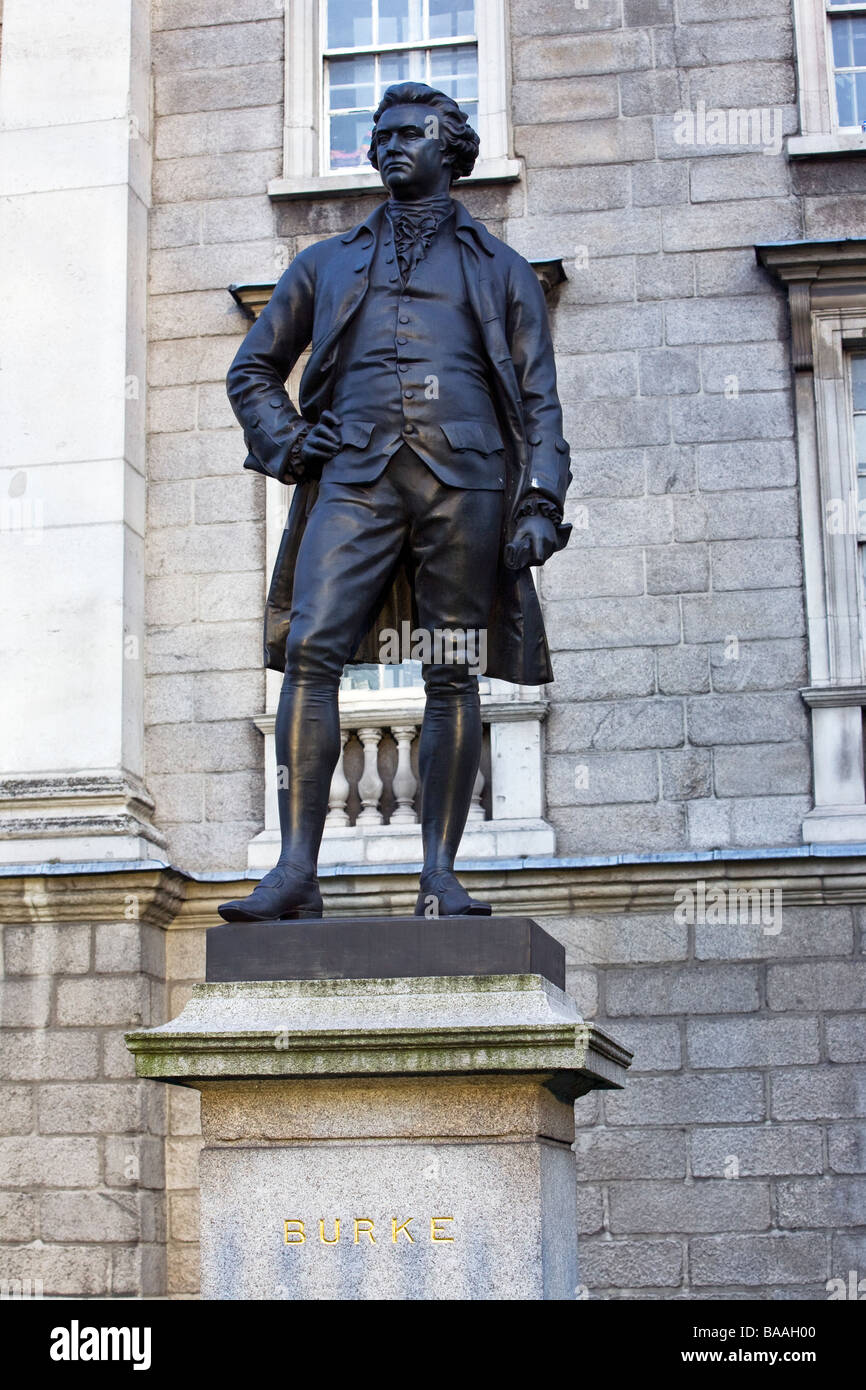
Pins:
<point x="422" y="141"/>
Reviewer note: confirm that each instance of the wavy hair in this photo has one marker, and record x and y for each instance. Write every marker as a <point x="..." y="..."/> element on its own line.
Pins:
<point x="456" y="136"/>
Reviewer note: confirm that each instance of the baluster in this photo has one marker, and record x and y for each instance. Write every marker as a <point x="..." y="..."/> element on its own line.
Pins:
<point x="405" y="784"/>
<point x="339" y="793"/>
<point x="370" y="783"/>
<point x="476" y="810"/>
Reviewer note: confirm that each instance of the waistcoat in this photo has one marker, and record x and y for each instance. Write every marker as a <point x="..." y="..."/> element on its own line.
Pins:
<point x="413" y="370"/>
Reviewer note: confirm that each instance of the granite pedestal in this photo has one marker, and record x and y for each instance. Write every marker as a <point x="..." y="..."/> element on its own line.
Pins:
<point x="387" y="1135"/>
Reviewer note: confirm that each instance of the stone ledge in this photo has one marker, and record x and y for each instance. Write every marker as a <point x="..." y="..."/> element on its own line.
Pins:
<point x="560" y="888"/>
<point x="825" y="145"/>
<point x="309" y="1028"/>
<point x="356" y="182"/>
<point x="84" y="894"/>
<point x="813" y="875"/>
<point x="68" y="816"/>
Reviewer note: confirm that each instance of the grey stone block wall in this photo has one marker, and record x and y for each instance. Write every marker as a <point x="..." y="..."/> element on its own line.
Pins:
<point x="673" y="357"/>
<point x="674" y="363"/>
<point x="732" y="1165"/>
<point x="82" y="1170"/>
<point x="675" y="616"/>
<point x="218" y="93"/>
<point x="185" y="958"/>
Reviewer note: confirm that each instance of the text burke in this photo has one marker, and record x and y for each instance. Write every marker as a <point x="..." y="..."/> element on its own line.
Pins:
<point x="329" y="1233"/>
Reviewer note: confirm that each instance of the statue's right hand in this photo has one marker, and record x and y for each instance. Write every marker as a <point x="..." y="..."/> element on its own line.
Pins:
<point x="322" y="442"/>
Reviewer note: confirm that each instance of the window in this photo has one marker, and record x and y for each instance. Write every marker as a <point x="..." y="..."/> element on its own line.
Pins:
<point x="342" y="54"/>
<point x="370" y="44"/>
<point x="827" y="296"/>
<point x="831" y="77"/>
<point x="848" y="39"/>
<point x="857" y="362"/>
<point x="408" y="673"/>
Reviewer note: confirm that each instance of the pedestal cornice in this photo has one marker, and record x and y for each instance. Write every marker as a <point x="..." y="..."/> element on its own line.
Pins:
<point x="429" y="1026"/>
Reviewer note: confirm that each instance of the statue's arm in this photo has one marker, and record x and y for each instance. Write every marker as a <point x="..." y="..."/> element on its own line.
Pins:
<point x="531" y="349"/>
<point x="273" y="429"/>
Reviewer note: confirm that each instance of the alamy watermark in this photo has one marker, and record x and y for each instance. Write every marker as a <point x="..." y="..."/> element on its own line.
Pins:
<point x="77" y="1343"/>
<point x="845" y="516"/>
<point x="723" y="905"/>
<point x="853" y="1288"/>
<point x="437" y="646"/>
<point x="21" y="1288"/>
<point x="758" y="127"/>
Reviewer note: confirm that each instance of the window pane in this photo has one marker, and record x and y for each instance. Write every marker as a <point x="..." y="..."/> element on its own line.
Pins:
<point x="350" y="83"/>
<point x="860" y="439"/>
<point x="858" y="41"/>
<point x="858" y="380"/>
<point x="350" y="140"/>
<point x="845" y="98"/>
<point x="841" y="32"/>
<point x="394" y="67"/>
<point x="350" y="23"/>
<point x="400" y="21"/>
<point x="448" y="18"/>
<point x="408" y="673"/>
<point x="455" y="72"/>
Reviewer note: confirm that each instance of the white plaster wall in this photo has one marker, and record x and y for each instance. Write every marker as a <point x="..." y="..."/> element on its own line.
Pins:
<point x="74" y="182"/>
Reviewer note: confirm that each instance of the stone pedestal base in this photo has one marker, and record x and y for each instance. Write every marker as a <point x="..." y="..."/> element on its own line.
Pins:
<point x="389" y="1189"/>
<point x="404" y="1138"/>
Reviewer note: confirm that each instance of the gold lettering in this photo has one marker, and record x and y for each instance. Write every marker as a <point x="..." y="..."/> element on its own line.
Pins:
<point x="367" y="1224"/>
<point x="294" y="1236"/>
<point x="402" y="1227"/>
<point x="434" y="1233"/>
<point x="323" y="1238"/>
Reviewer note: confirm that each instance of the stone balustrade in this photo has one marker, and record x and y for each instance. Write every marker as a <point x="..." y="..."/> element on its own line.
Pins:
<point x="374" y="803"/>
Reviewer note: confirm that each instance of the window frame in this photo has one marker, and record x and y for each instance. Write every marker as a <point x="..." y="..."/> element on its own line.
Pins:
<point x="848" y="11"/>
<point x="820" y="132"/>
<point x="838" y="332"/>
<point x="306" y="171"/>
<point x="328" y="54"/>
<point x="826" y="284"/>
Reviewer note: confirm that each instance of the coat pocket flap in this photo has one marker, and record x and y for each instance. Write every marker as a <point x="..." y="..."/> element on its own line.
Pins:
<point x="356" y="433"/>
<point x="472" y="434"/>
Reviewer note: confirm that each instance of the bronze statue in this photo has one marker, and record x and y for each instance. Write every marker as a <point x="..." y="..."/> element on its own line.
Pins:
<point x="431" y="473"/>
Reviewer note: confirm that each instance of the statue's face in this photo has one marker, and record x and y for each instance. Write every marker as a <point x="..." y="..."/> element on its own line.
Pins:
<point x="411" y="161"/>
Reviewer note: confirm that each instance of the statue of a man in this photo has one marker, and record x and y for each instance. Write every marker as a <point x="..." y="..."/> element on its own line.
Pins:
<point x="431" y="474"/>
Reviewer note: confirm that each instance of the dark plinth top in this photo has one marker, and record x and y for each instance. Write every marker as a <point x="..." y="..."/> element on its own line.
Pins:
<point x="368" y="948"/>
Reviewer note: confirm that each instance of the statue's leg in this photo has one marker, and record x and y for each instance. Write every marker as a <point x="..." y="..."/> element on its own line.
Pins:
<point x="351" y="543"/>
<point x="449" y="753"/>
<point x="455" y="540"/>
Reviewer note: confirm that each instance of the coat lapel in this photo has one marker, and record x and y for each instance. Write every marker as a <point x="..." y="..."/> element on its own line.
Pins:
<point x="346" y="287"/>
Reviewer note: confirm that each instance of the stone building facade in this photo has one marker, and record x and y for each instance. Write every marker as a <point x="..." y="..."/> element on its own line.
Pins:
<point x="689" y="180"/>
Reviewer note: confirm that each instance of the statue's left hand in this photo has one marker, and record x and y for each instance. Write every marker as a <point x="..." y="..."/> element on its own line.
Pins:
<point x="534" y="542"/>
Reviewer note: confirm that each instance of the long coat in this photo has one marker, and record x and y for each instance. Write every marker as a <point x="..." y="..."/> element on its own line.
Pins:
<point x="313" y="302"/>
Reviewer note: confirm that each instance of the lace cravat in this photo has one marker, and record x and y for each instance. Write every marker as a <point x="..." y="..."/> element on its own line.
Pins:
<point x="415" y="225"/>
